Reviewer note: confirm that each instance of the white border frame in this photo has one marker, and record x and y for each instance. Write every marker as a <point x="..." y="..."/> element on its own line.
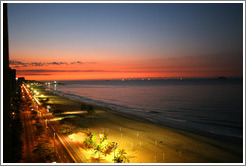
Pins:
<point x="243" y="2"/>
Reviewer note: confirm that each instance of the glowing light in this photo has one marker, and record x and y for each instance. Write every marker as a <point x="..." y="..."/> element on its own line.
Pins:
<point x="37" y="93"/>
<point x="16" y="78"/>
<point x="42" y="95"/>
<point x="28" y="86"/>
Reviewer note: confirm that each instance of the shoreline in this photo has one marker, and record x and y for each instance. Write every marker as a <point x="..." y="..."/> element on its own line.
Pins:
<point x="227" y="138"/>
<point x="114" y="119"/>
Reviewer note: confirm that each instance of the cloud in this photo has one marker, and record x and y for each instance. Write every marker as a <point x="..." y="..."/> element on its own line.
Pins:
<point x="47" y="71"/>
<point x="37" y="64"/>
<point x="56" y="63"/>
<point x="78" y="62"/>
<point x="37" y="74"/>
<point x="18" y="64"/>
<point x="53" y="71"/>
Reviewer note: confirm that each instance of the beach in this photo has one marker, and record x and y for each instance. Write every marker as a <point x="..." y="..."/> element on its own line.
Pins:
<point x="143" y="141"/>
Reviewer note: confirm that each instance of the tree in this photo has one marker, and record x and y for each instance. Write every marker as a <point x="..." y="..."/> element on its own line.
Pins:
<point x="87" y="143"/>
<point x="83" y="107"/>
<point x="98" y="149"/>
<point x="107" y="147"/>
<point x="66" y="128"/>
<point x="90" y="141"/>
<point x="104" y="137"/>
<point x="121" y="156"/>
<point x="45" y="151"/>
<point x="90" y="110"/>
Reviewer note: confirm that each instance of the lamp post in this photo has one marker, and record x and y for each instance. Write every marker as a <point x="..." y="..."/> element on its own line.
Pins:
<point x="100" y="135"/>
<point x="115" y="146"/>
<point x="55" y="141"/>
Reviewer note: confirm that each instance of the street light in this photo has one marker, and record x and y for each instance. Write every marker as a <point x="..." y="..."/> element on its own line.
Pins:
<point x="115" y="146"/>
<point x="55" y="141"/>
<point x="100" y="135"/>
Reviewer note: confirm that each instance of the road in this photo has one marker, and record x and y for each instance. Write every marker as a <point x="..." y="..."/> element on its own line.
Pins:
<point x="28" y="137"/>
<point x="67" y="150"/>
<point x="72" y="148"/>
<point x="62" y="156"/>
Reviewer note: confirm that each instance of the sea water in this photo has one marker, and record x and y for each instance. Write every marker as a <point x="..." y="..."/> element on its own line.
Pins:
<point x="211" y="106"/>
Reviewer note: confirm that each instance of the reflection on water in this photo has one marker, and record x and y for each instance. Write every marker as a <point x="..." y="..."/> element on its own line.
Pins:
<point x="214" y="106"/>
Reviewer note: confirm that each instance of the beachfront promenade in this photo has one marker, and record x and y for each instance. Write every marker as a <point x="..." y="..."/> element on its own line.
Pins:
<point x="67" y="151"/>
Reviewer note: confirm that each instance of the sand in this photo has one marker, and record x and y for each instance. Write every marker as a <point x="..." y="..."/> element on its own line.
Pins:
<point x="145" y="142"/>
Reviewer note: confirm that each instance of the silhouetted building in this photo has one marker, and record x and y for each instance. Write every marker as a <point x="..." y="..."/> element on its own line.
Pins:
<point x="12" y="78"/>
<point x="6" y="100"/>
<point x="21" y="80"/>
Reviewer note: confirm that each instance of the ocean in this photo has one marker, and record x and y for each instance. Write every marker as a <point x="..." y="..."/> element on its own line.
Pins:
<point x="209" y="106"/>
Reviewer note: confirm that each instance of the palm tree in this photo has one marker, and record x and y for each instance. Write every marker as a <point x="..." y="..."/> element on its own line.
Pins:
<point x="121" y="156"/>
<point x="83" y="107"/>
<point x="104" y="137"/>
<point x="87" y="143"/>
<point x="98" y="149"/>
<point x="90" y="141"/>
<point x="107" y="147"/>
<point x="90" y="110"/>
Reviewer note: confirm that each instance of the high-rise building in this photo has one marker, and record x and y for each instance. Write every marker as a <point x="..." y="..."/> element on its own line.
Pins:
<point x="12" y="78"/>
<point x="21" y="80"/>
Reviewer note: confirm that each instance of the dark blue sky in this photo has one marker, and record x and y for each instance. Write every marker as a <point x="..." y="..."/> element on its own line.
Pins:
<point x="149" y="31"/>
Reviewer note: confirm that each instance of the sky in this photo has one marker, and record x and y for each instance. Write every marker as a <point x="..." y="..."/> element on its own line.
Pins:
<point x="115" y="41"/>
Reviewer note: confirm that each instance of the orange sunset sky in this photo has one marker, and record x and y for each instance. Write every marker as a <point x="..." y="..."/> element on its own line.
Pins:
<point x="109" y="41"/>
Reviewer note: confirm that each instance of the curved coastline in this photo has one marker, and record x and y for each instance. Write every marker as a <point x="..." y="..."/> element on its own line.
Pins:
<point x="179" y="128"/>
<point x="195" y="147"/>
